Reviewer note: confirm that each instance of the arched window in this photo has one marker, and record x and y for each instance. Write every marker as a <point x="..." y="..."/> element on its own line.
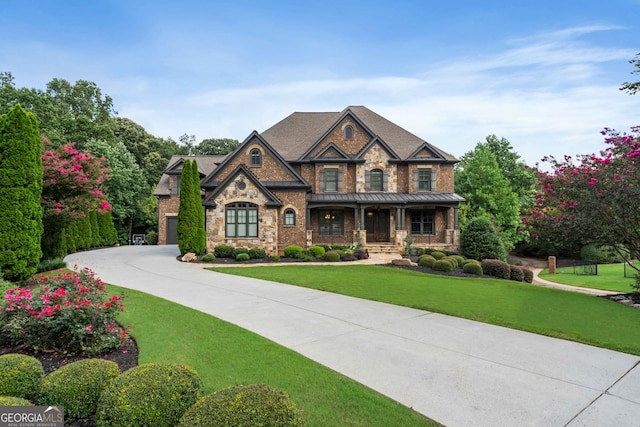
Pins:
<point x="348" y="132"/>
<point x="256" y="157"/>
<point x="289" y="217"/>
<point x="241" y="220"/>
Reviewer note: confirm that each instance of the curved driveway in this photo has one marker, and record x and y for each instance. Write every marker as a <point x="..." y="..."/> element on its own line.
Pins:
<point x="455" y="371"/>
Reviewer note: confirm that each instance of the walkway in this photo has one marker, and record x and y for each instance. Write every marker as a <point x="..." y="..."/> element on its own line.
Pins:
<point x="455" y="371"/>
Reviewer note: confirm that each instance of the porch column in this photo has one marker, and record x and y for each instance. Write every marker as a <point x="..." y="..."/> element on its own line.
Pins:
<point x="361" y="218"/>
<point x="398" y="218"/>
<point x="307" y="217"/>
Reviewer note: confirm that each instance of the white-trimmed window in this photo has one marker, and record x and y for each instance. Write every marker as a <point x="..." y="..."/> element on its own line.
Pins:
<point x="241" y="220"/>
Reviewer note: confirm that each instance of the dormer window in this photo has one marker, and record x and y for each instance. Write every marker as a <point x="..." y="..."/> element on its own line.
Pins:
<point x="348" y="132"/>
<point x="255" y="157"/>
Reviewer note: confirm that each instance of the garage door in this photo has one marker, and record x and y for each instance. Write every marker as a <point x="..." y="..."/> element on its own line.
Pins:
<point x="172" y="230"/>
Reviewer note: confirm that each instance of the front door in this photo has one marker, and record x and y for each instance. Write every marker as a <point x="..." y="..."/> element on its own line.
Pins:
<point x="377" y="225"/>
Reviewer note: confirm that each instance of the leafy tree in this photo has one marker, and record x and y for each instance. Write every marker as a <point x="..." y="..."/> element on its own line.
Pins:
<point x="20" y="192"/>
<point x="108" y="233"/>
<point x="479" y="240"/>
<point x="126" y="186"/>
<point x="480" y="181"/>
<point x="216" y="146"/>
<point x="633" y="87"/>
<point x="200" y="234"/>
<point x="72" y="186"/>
<point x="596" y="200"/>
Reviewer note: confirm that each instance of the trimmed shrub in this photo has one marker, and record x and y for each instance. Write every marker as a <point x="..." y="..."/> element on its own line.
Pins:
<point x="209" y="257"/>
<point x="467" y="261"/>
<point x="317" y="251"/>
<point x="527" y="275"/>
<point x="14" y="401"/>
<point x="480" y="240"/>
<point x="307" y="258"/>
<point x="244" y="405"/>
<point x="293" y="251"/>
<point x="443" y="265"/>
<point x="437" y="254"/>
<point x="516" y="273"/>
<point x="453" y="261"/>
<point x="459" y="258"/>
<point x="151" y="238"/>
<point x="153" y="394"/>
<point x="257" y="253"/>
<point x="224" y="251"/>
<point x="275" y="258"/>
<point x="238" y="251"/>
<point x="20" y="376"/>
<point x="426" y="261"/>
<point x="77" y="386"/>
<point x="243" y="257"/>
<point x="496" y="268"/>
<point x="332" y="256"/>
<point x="473" y="268"/>
<point x="349" y="257"/>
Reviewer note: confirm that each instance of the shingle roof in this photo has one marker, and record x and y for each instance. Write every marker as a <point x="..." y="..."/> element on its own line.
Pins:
<point x="297" y="133"/>
<point x="206" y="164"/>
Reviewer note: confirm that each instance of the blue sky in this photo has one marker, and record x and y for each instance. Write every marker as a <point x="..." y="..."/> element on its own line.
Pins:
<point x="543" y="74"/>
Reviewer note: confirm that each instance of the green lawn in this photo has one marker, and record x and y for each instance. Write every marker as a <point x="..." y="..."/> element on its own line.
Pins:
<point x="610" y="277"/>
<point x="552" y="312"/>
<point x="225" y="355"/>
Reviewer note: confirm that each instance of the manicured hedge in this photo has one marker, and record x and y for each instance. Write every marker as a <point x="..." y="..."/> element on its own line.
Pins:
<point x="496" y="268"/>
<point x="20" y="376"/>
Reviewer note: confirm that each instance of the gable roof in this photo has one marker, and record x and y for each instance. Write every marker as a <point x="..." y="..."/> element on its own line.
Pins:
<point x="206" y="164"/>
<point x="272" y="199"/>
<point x="381" y="143"/>
<point x="296" y="134"/>
<point x="209" y="180"/>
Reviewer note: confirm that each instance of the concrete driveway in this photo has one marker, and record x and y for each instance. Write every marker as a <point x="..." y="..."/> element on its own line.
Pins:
<point x="455" y="371"/>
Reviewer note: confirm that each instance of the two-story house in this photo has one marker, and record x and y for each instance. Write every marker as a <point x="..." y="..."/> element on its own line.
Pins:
<point x="323" y="178"/>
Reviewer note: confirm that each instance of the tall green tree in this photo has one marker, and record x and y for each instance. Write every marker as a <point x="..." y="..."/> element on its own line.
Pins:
<point x="479" y="179"/>
<point x="187" y="217"/>
<point x="127" y="185"/>
<point x="215" y="146"/>
<point x="200" y="234"/>
<point x="20" y="193"/>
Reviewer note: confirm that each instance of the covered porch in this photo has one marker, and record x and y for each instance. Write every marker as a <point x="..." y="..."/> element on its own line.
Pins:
<point x="381" y="222"/>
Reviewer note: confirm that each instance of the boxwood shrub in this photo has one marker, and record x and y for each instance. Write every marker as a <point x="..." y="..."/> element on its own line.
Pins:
<point x="293" y="251"/>
<point x="243" y="256"/>
<point x="223" y="251"/>
<point x="426" y="261"/>
<point x="332" y="256"/>
<point x="20" y="376"/>
<point x="14" y="401"/>
<point x="437" y="255"/>
<point x="257" y="253"/>
<point x="77" y="386"/>
<point x="238" y="251"/>
<point x="516" y="273"/>
<point x="496" y="268"/>
<point x="208" y="257"/>
<point x="472" y="268"/>
<point x="244" y="405"/>
<point x="316" y="251"/>
<point x="153" y="394"/>
<point x="452" y="260"/>
<point x="443" y="265"/>
<point x="528" y="275"/>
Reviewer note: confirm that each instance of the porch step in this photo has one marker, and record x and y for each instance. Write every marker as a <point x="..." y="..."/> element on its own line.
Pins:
<point x="378" y="248"/>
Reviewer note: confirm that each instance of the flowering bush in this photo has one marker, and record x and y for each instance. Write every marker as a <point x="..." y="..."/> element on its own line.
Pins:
<point x="69" y="313"/>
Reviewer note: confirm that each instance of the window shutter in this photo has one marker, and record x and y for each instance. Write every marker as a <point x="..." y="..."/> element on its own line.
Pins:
<point x="433" y="180"/>
<point x="367" y="180"/>
<point x="339" y="179"/>
<point x="415" y="180"/>
<point x="322" y="180"/>
<point x="385" y="179"/>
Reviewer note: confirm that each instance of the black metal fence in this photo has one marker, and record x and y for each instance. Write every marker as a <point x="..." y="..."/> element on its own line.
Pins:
<point x="576" y="266"/>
